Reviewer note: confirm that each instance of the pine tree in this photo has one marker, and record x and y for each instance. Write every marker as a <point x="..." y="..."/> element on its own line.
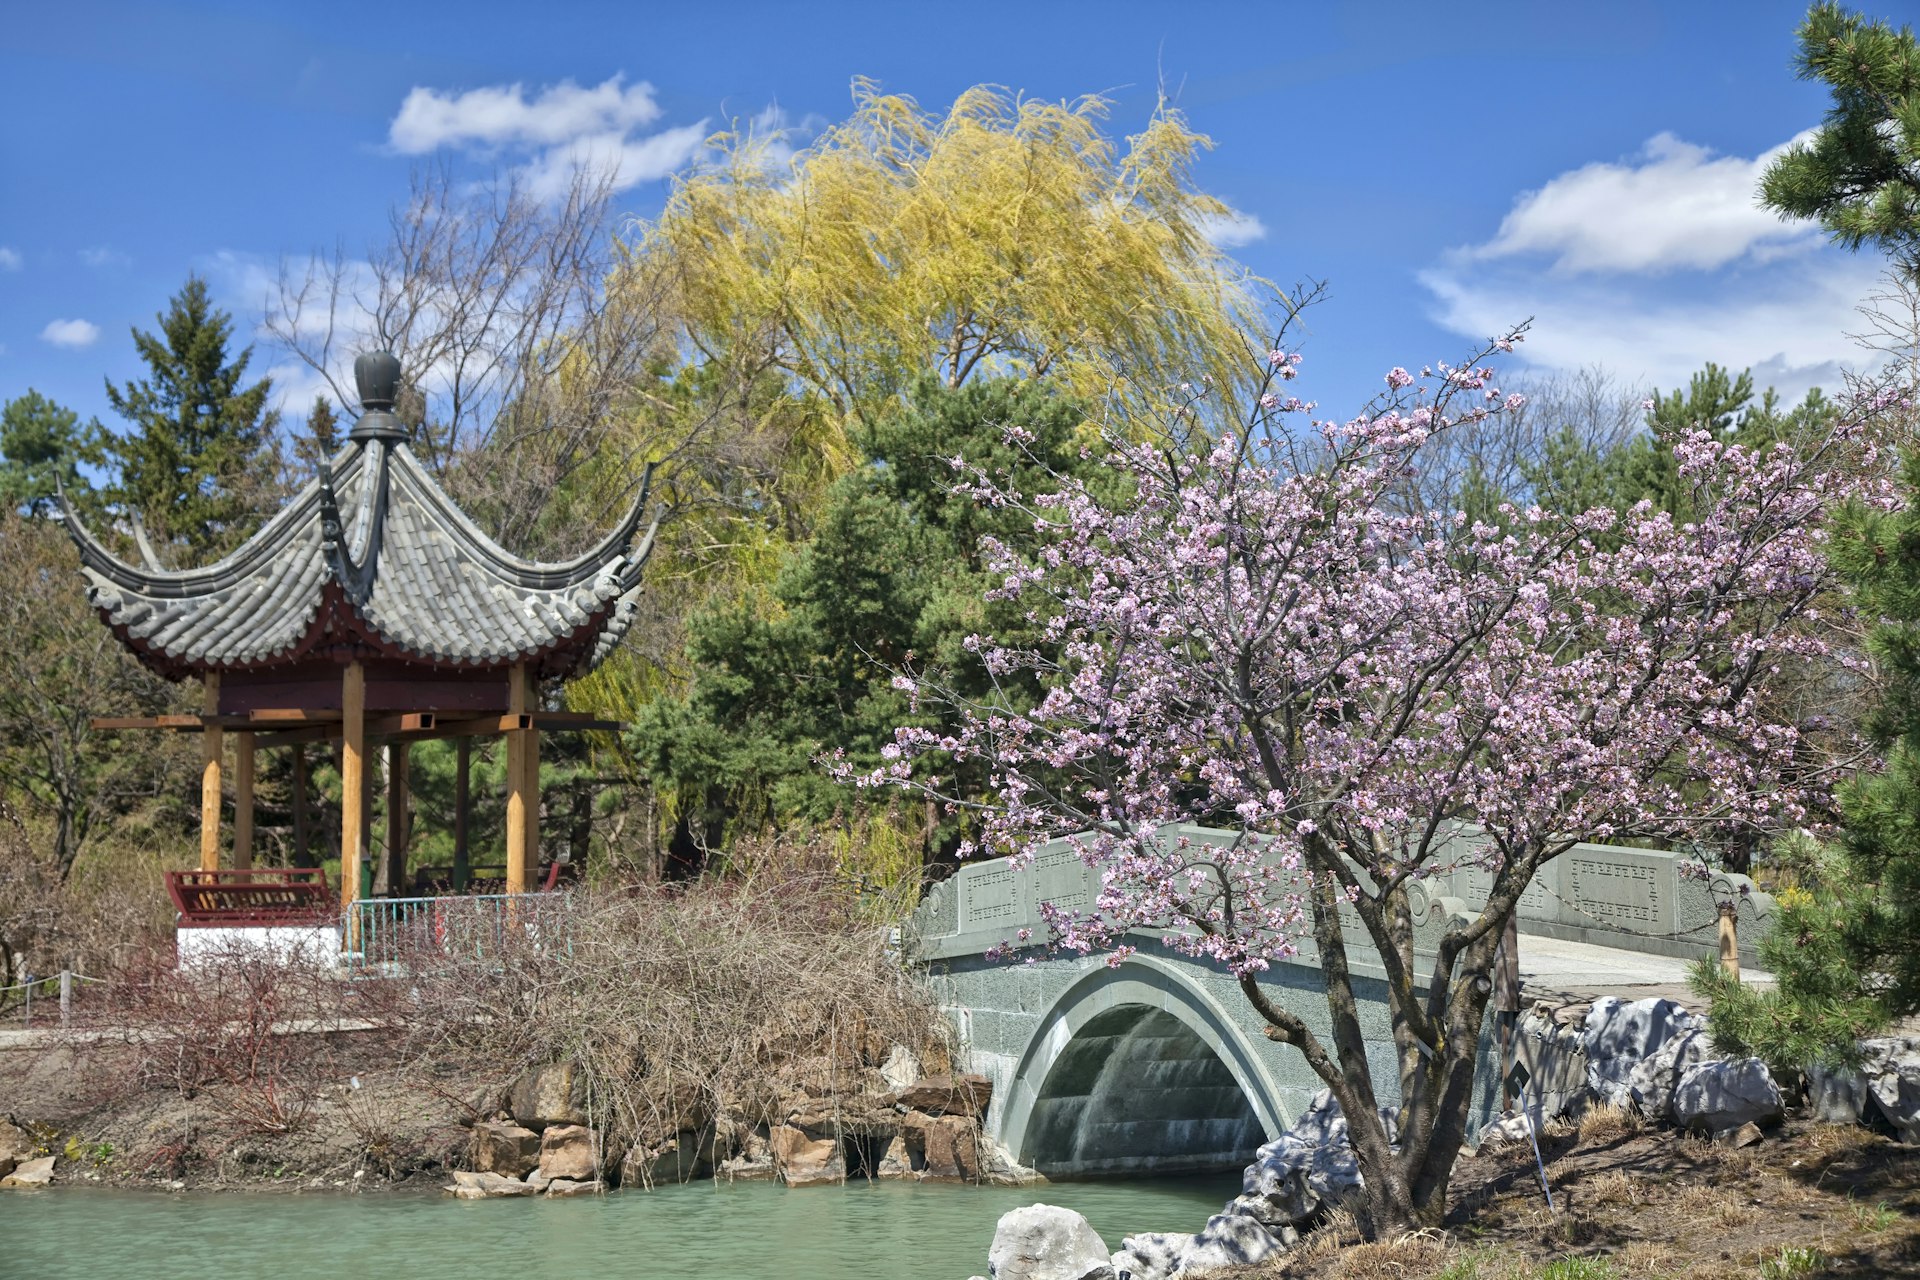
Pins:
<point x="198" y="461"/>
<point x="1860" y="173"/>
<point x="322" y="437"/>
<point x="42" y="445"/>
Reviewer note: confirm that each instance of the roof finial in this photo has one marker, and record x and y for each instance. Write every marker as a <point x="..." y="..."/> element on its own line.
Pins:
<point x="377" y="375"/>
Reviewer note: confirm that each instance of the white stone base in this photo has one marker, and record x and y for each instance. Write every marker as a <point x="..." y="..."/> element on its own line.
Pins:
<point x="317" y="945"/>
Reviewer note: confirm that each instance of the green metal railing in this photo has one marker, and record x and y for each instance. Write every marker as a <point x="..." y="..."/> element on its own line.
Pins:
<point x="393" y="931"/>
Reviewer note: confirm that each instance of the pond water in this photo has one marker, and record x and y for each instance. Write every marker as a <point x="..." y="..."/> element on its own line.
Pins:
<point x="715" y="1231"/>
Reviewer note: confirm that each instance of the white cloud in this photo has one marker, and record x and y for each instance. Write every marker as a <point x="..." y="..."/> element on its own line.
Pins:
<point x="9" y="259"/>
<point x="100" y="256"/>
<point x="1233" y="230"/>
<point x="1675" y="206"/>
<point x="1788" y="323"/>
<point x="70" y="333"/>
<point x="627" y="161"/>
<point x="503" y="115"/>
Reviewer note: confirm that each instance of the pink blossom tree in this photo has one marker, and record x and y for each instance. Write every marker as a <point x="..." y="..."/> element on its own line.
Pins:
<point x="1260" y="636"/>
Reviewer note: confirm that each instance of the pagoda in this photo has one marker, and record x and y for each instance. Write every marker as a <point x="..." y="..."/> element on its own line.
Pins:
<point x="371" y="612"/>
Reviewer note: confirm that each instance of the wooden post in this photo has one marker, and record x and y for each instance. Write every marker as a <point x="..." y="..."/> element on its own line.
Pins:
<point x="210" y="752"/>
<point x="462" y="860"/>
<point x="302" y="851"/>
<point x="523" y="785"/>
<point x="1730" y="940"/>
<point x="243" y="801"/>
<point x="353" y="779"/>
<point x="393" y="875"/>
<point x="1506" y="1000"/>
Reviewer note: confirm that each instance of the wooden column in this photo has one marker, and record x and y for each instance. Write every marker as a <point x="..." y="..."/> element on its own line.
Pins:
<point x="462" y="772"/>
<point x="353" y="779"/>
<point x="523" y="785"/>
<point x="302" y="843"/>
<point x="211" y="745"/>
<point x="393" y="874"/>
<point x="243" y="801"/>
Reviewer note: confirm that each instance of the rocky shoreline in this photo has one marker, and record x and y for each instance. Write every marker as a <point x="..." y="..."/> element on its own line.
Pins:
<point x="1652" y="1056"/>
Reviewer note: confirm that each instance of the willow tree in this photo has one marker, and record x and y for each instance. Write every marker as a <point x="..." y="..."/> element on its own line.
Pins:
<point x="1007" y="234"/>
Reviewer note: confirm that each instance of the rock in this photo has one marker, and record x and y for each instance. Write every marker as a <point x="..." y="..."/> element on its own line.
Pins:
<point x="1291" y="1181"/>
<point x="1510" y="1127"/>
<point x="551" y="1094"/>
<point x="16" y="1145"/>
<point x="1152" y="1255"/>
<point x="684" y="1157"/>
<point x="1891" y="1067"/>
<point x="1652" y="1080"/>
<point x="30" y="1173"/>
<point x="947" y="1095"/>
<point x="570" y="1151"/>
<point x="1836" y="1095"/>
<point x="1231" y="1240"/>
<point x="560" y="1188"/>
<point x="897" y="1160"/>
<point x="1745" y="1136"/>
<point x="804" y="1160"/>
<point x="901" y="1068"/>
<point x="1620" y="1034"/>
<point x="752" y="1162"/>
<point x="500" y="1146"/>
<point x="487" y="1186"/>
<point x="1725" y="1095"/>
<point x="949" y="1146"/>
<point x="1045" y="1242"/>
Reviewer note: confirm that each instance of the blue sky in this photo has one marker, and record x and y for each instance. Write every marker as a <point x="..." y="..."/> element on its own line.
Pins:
<point x="1448" y="169"/>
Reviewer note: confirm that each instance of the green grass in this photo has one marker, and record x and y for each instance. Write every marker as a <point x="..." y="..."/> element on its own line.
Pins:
<point x="1792" y="1262"/>
<point x="1577" y="1269"/>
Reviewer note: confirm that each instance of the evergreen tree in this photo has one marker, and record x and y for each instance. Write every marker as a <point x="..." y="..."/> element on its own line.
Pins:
<point x="1846" y="947"/>
<point x="42" y="445"/>
<point x="1860" y="173"/>
<point x="322" y="437"/>
<point x="893" y="576"/>
<point x="198" y="460"/>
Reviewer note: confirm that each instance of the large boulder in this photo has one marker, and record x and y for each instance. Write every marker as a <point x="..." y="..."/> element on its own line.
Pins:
<point x="1890" y="1067"/>
<point x="1291" y="1181"/>
<point x="500" y="1146"/>
<point x="1230" y="1239"/>
<point x="1620" y="1034"/>
<point x="16" y="1146"/>
<point x="553" y="1094"/>
<point x="1723" y="1095"/>
<point x="1046" y="1242"/>
<point x="805" y="1160"/>
<point x="687" y="1155"/>
<point x="30" y="1173"/>
<point x="1153" y="1255"/>
<point x="570" y="1151"/>
<point x="947" y="1095"/>
<point x="1836" y="1095"/>
<point x="948" y="1146"/>
<point x="1652" y="1080"/>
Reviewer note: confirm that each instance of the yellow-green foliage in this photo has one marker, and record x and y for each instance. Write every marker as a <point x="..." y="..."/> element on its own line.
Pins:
<point x="1007" y="233"/>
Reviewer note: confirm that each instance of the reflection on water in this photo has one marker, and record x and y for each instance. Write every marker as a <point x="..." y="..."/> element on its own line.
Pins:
<point x="727" y="1232"/>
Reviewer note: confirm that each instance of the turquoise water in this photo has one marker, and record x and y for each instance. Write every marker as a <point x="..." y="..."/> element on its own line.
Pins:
<point x="865" y="1231"/>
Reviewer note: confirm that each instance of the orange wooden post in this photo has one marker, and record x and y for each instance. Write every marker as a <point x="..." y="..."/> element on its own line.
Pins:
<point x="1730" y="940"/>
<point x="523" y="784"/>
<point x="210" y="752"/>
<point x="353" y="780"/>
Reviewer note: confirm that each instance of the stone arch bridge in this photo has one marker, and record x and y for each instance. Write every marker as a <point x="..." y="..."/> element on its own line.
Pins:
<point x="1159" y="1065"/>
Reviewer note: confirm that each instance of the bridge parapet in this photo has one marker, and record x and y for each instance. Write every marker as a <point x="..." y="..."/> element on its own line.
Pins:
<point x="1632" y="899"/>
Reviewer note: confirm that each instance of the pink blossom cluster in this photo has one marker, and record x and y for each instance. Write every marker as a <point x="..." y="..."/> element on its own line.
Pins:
<point x="1259" y="637"/>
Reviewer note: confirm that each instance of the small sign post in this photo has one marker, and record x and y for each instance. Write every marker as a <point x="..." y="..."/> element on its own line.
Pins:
<point x="1517" y="1085"/>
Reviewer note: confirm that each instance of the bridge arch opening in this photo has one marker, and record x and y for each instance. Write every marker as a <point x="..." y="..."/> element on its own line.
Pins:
<point x="1139" y="1090"/>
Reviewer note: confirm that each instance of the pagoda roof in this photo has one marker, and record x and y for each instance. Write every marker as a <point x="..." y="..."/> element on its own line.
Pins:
<point x="372" y="559"/>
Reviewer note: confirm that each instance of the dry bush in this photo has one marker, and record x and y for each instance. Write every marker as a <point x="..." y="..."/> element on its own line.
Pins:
<point x="682" y="1003"/>
<point x="1646" y="1258"/>
<point x="1721" y="1206"/>
<point x="1615" y="1188"/>
<point x="1603" y="1124"/>
<point x="1417" y="1254"/>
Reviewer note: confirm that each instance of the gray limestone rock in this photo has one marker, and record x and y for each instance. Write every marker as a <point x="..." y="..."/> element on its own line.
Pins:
<point x="1722" y="1095"/>
<point x="30" y="1173"/>
<point x="1510" y="1127"/>
<point x="1152" y="1255"/>
<point x="487" y="1186"/>
<point x="1652" y="1080"/>
<point x="1891" y="1068"/>
<point x="1046" y="1242"/>
<point x="1620" y="1034"/>
<point x="1836" y="1095"/>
